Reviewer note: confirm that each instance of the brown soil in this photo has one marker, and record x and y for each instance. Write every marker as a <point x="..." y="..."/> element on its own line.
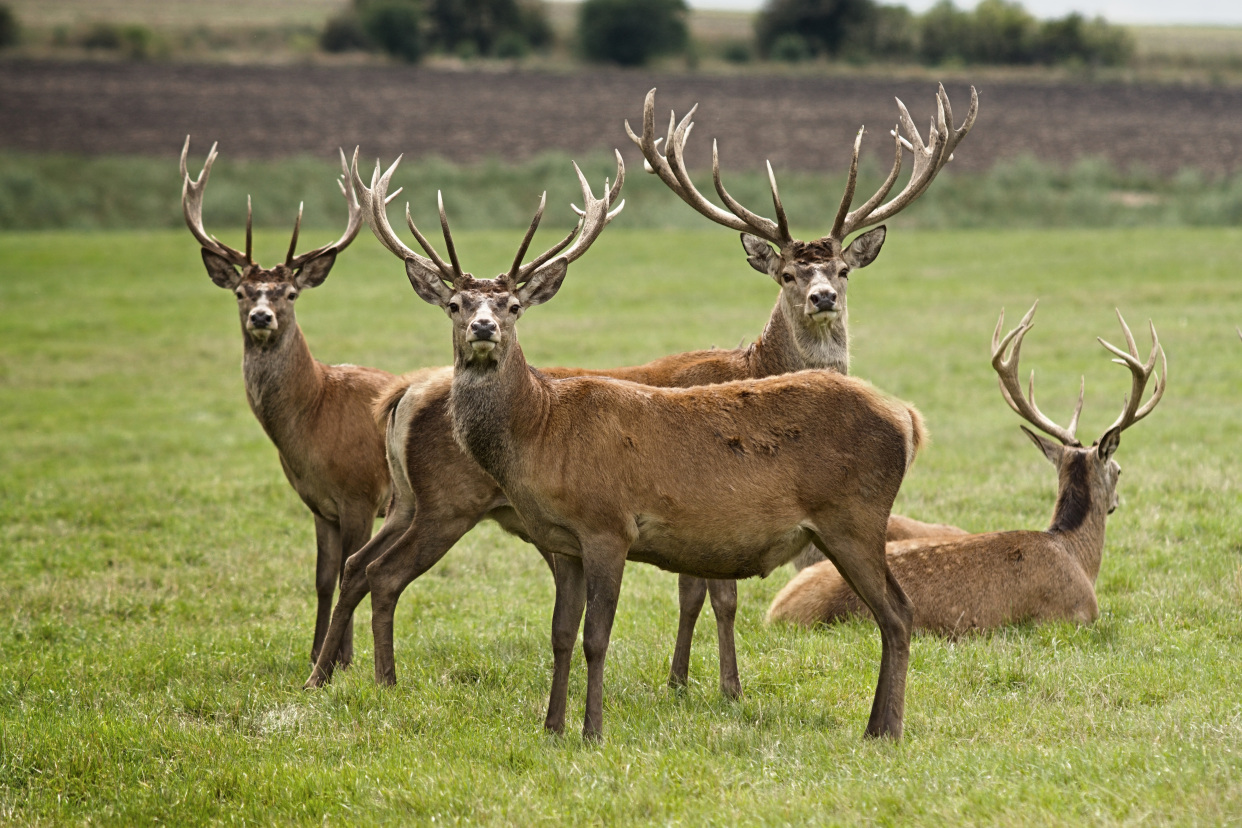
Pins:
<point x="799" y="123"/>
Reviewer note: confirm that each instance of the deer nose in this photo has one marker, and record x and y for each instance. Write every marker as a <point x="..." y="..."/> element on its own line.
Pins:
<point x="260" y="318"/>
<point x="823" y="299"/>
<point x="483" y="328"/>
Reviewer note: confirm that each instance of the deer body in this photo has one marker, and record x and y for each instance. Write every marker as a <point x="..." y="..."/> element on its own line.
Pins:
<point x="318" y="416"/>
<point x="985" y="581"/>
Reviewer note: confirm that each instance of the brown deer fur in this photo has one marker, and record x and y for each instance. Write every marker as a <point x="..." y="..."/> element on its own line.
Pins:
<point x="985" y="581"/>
<point x="720" y="481"/>
<point x="318" y="416"/>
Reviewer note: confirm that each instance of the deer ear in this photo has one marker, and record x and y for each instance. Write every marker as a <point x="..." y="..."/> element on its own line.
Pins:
<point x="221" y="270"/>
<point x="315" y="271"/>
<point x="1051" y="448"/>
<point x="1108" y="444"/>
<point x="760" y="255"/>
<point x="427" y="283"/>
<point x="544" y="284"/>
<point x="863" y="250"/>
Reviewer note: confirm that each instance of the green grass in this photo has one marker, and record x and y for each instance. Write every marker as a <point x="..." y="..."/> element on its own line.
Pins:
<point x="41" y="192"/>
<point x="156" y="596"/>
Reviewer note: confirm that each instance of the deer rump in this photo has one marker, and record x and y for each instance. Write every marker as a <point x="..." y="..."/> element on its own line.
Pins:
<point x="714" y="481"/>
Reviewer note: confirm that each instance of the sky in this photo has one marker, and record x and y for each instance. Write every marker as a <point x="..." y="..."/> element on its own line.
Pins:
<point x="1225" y="12"/>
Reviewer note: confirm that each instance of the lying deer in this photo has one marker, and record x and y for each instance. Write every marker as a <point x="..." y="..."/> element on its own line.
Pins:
<point x="985" y="581"/>
<point x="318" y="416"/>
<point x="806" y="330"/>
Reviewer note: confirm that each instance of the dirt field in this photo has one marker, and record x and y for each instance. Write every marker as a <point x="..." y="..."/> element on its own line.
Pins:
<point x="802" y="123"/>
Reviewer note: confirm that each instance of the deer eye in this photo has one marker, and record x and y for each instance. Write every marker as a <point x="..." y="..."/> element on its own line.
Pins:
<point x="514" y="308"/>
<point x="240" y="293"/>
<point x="293" y="294"/>
<point x="844" y="274"/>
<point x="787" y="278"/>
<point x="454" y="307"/>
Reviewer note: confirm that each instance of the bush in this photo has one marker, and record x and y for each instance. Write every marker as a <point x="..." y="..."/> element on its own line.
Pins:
<point x="737" y="51"/>
<point x="824" y="25"/>
<point x="1003" y="32"/>
<point x="135" y="41"/>
<point x="394" y="25"/>
<point x="790" y="48"/>
<point x="344" y="33"/>
<point x="1072" y="38"/>
<point x="486" y="24"/>
<point x="631" y="32"/>
<point x="10" y="31"/>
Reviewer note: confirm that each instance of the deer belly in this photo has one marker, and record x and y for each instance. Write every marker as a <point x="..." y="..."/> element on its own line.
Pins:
<point x="724" y="552"/>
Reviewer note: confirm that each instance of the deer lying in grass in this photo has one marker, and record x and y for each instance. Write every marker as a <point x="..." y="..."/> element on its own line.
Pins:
<point x="981" y="582"/>
<point x="318" y="416"/>
<point x="721" y="481"/>
<point x="806" y="330"/>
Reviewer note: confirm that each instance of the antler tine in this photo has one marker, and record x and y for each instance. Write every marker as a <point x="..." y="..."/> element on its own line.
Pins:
<point x="929" y="159"/>
<point x="1140" y="373"/>
<point x="1011" y="386"/>
<point x="249" y="230"/>
<point x="376" y="199"/>
<point x="448" y="236"/>
<point x="530" y="234"/>
<point x="838" y="223"/>
<point x="670" y="167"/>
<point x="352" y="225"/>
<point x="293" y="243"/>
<point x="192" y="206"/>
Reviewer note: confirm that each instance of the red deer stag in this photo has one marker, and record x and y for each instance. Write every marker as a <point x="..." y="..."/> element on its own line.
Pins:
<point x="981" y="582"/>
<point x="801" y="333"/>
<point x="721" y="481"/>
<point x="318" y="416"/>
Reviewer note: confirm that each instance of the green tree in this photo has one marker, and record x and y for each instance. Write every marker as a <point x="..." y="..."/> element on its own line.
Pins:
<point x="631" y="32"/>
<point x="826" y="25"/>
<point x="10" y="31"/>
<point x="487" y="25"/>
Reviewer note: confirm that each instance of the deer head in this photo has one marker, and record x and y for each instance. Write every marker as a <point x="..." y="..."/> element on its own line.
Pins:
<point x="813" y="275"/>
<point x="265" y="296"/>
<point x="1093" y="466"/>
<point x="484" y="311"/>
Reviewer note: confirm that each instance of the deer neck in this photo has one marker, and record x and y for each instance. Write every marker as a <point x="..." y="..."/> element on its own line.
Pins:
<point x="282" y="381"/>
<point x="493" y="403"/>
<point x="790" y="343"/>
<point x="1080" y="515"/>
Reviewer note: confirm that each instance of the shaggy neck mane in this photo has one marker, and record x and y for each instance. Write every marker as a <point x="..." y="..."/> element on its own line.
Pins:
<point x="1074" y="501"/>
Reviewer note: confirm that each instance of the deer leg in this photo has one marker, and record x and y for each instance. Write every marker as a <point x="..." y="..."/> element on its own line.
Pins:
<point x="354" y="588"/>
<point x="414" y="553"/>
<point x="355" y="533"/>
<point x="691" y="591"/>
<point x="603" y="564"/>
<point x="327" y="565"/>
<point x="724" y="607"/>
<point x="863" y="565"/>
<point x="566" y="619"/>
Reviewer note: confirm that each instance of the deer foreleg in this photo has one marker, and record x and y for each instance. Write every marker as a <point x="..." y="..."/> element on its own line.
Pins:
<point x="327" y="569"/>
<point x="724" y="607"/>
<point x="603" y="563"/>
<point x="566" y="619"/>
<point x="691" y="591"/>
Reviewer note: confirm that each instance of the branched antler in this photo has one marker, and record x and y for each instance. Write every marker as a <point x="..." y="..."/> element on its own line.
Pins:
<point x="352" y="227"/>
<point x="192" y="207"/>
<point x="1140" y="373"/>
<point x="1011" y="386"/>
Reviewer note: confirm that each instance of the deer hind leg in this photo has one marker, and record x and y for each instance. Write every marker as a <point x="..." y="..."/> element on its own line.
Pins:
<point x="355" y="532"/>
<point x="862" y="563"/>
<point x="354" y="588"/>
<point x="691" y="591"/>
<point x="566" y="619"/>
<point x="327" y="569"/>
<point x="603" y="563"/>
<point x="416" y="551"/>
<point x="724" y="607"/>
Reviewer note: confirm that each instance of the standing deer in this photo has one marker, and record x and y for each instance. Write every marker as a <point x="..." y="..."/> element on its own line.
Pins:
<point x="318" y="416"/>
<point x="981" y="582"/>
<point x="806" y="330"/>
<point x="720" y="481"/>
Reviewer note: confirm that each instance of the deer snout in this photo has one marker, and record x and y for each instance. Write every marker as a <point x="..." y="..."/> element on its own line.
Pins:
<point x="484" y="335"/>
<point x="261" y="319"/>
<point x="821" y="300"/>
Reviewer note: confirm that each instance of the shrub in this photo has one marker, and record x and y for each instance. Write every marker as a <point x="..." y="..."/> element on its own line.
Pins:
<point x="1074" y="38"/>
<point x="824" y="25"/>
<point x="1003" y="32"/>
<point x="790" y="48"/>
<point x="394" y="25"/>
<point x="485" y="24"/>
<point x="10" y="31"/>
<point x="135" y="41"/>
<point x="344" y="33"/>
<point x="737" y="51"/>
<point x="512" y="45"/>
<point x="631" y="32"/>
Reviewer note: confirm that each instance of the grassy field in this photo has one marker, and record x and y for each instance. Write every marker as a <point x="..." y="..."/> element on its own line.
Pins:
<point x="156" y="596"/>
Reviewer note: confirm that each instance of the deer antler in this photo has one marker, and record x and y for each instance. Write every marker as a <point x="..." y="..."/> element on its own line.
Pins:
<point x="594" y="217"/>
<point x="1011" y="386"/>
<point x="1140" y="374"/>
<point x="375" y="201"/>
<point x="352" y="226"/>
<point x="192" y="206"/>
<point x="929" y="159"/>
<point x="671" y="167"/>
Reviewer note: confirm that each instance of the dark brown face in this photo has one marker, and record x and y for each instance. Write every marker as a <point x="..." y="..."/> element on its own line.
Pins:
<point x="483" y="313"/>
